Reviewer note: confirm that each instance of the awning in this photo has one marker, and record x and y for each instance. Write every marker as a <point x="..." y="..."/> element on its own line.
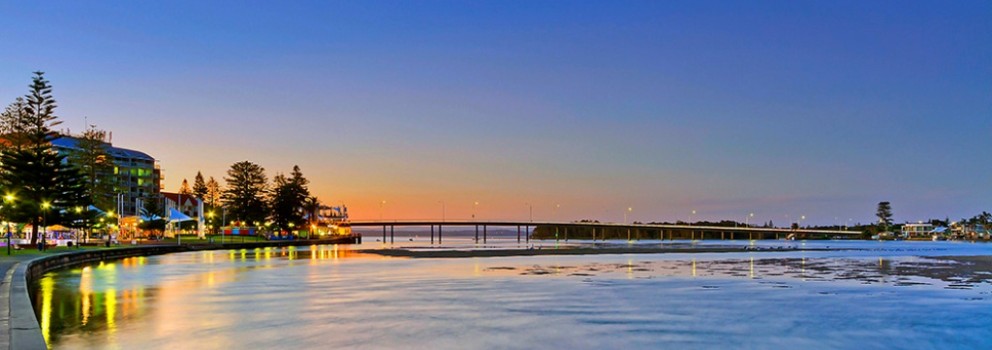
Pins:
<point x="178" y="216"/>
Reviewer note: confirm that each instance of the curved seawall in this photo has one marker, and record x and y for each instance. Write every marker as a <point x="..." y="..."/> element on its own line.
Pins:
<point x="19" y="328"/>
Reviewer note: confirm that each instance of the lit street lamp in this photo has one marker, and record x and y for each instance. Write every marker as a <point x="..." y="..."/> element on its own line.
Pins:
<point x="44" y="223"/>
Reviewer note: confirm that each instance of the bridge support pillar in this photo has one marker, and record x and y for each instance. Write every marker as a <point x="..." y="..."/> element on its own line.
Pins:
<point x="432" y="234"/>
<point x="484" y="234"/>
<point x="383" y="233"/>
<point x="392" y="237"/>
<point x="440" y="232"/>
<point x="476" y="233"/>
<point x="527" y="234"/>
<point x="518" y="234"/>
<point x="566" y="233"/>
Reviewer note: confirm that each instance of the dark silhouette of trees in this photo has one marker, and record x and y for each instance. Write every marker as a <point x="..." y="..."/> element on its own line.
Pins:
<point x="246" y="191"/>
<point x="43" y="186"/>
<point x="884" y="215"/>
<point x="288" y="199"/>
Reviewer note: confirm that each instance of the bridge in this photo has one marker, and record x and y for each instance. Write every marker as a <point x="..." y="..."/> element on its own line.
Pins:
<point x="633" y="231"/>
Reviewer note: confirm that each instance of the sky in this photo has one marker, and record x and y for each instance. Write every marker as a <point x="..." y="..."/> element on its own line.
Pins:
<point x="564" y="109"/>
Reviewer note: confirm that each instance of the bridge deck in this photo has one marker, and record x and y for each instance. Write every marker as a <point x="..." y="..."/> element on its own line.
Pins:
<point x="597" y="225"/>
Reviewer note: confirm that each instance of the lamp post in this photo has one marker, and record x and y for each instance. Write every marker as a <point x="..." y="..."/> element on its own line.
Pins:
<point x="531" y="211"/>
<point x="44" y="223"/>
<point x="210" y="218"/>
<point x="442" y="211"/>
<point x="629" y="209"/>
<point x="381" y="203"/>
<point x="475" y="207"/>
<point x="9" y="198"/>
<point x="79" y="211"/>
<point x="746" y="219"/>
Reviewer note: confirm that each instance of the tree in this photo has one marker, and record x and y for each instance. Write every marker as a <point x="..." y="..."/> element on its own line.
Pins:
<point x="32" y="172"/>
<point x="311" y="206"/>
<point x="288" y="198"/>
<point x="154" y="216"/>
<point x="884" y="215"/>
<point x="97" y="167"/>
<point x="244" y="196"/>
<point x="213" y="192"/>
<point x="199" y="186"/>
<point x="184" y="189"/>
<point x="11" y="119"/>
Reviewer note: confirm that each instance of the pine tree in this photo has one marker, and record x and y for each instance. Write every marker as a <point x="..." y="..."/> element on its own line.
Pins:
<point x="184" y="189"/>
<point x="245" y="194"/>
<point x="213" y="193"/>
<point x="32" y="172"/>
<point x="199" y="186"/>
<point x="884" y="214"/>
<point x="97" y="166"/>
<point x="11" y="119"/>
<point x="288" y="199"/>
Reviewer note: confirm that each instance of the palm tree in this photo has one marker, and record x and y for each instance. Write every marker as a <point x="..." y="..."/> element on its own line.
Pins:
<point x="312" y="206"/>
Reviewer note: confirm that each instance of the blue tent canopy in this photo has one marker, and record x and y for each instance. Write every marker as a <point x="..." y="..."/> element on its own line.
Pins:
<point x="178" y="216"/>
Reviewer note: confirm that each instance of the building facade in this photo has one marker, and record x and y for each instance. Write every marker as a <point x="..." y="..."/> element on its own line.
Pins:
<point x="137" y="174"/>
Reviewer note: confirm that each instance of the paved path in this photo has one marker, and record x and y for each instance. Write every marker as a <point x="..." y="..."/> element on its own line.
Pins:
<point x="7" y="267"/>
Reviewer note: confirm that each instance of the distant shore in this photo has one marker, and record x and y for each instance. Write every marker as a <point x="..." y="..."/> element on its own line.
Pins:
<point x="485" y="253"/>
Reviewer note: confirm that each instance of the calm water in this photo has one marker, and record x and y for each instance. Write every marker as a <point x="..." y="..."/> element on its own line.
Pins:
<point x="884" y="295"/>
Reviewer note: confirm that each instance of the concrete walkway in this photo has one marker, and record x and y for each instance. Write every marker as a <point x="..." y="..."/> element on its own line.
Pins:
<point x="18" y="326"/>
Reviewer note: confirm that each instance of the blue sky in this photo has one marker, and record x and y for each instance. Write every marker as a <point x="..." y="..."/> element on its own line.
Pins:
<point x="780" y="108"/>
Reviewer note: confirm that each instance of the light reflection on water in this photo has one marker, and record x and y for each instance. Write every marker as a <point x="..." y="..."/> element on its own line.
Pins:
<point x="334" y="296"/>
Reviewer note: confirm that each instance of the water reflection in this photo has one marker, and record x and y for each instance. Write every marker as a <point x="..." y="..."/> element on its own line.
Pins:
<point x="294" y="297"/>
<point x="101" y="296"/>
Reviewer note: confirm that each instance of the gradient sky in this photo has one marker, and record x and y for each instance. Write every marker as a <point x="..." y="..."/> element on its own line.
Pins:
<point x="782" y="108"/>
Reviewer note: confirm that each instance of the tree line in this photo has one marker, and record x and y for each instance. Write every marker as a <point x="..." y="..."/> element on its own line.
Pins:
<point x="42" y="187"/>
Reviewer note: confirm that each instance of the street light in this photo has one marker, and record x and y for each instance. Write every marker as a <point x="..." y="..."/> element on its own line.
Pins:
<point x="629" y="209"/>
<point x="9" y="198"/>
<point x="746" y="221"/>
<point x="475" y="207"/>
<point x="690" y="217"/>
<point x="531" y="211"/>
<point x="383" y="202"/>
<point x="44" y="223"/>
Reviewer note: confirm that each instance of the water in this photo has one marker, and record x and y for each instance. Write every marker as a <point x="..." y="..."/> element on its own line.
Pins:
<point x="882" y="295"/>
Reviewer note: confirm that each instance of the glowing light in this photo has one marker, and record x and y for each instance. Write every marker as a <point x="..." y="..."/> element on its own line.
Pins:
<point x="47" y="289"/>
<point x="110" y="302"/>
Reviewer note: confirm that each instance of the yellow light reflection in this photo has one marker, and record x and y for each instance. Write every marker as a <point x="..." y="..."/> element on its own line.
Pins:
<point x="693" y="267"/>
<point x="110" y="302"/>
<point x="86" y="291"/>
<point x="47" y="289"/>
<point x="752" y="267"/>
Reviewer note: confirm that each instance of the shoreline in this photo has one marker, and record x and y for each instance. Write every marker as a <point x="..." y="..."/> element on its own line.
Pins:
<point x="398" y="252"/>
